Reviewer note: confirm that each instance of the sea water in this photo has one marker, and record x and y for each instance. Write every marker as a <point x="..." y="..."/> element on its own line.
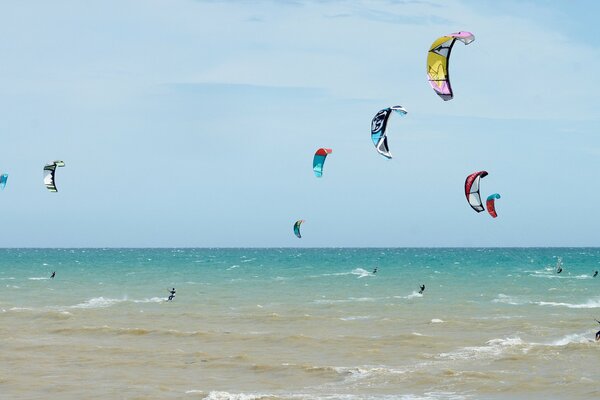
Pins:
<point x="299" y="324"/>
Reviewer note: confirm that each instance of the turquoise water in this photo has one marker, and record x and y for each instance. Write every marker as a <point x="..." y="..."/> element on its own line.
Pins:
<point x="299" y="323"/>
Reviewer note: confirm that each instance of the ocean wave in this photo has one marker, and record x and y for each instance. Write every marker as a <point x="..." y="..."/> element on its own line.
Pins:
<point x="359" y="373"/>
<point x="436" y="321"/>
<point x="98" y="302"/>
<point x="356" y="318"/>
<point x="233" y="396"/>
<point x="493" y="348"/>
<point x="591" y="303"/>
<point x="38" y="278"/>
<point x="502" y="298"/>
<point x="572" y="338"/>
<point x="348" y="300"/>
<point x="219" y="395"/>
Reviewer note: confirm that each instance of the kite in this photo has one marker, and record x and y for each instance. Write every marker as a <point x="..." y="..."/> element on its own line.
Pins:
<point x="472" y="190"/>
<point x="319" y="161"/>
<point x="3" y="179"/>
<point x="297" y="228"/>
<point x="490" y="203"/>
<point x="379" y="126"/>
<point x="49" y="172"/>
<point x="437" y="62"/>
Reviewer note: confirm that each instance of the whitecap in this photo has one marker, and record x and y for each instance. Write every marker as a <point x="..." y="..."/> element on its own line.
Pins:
<point x="410" y="296"/>
<point x="502" y="298"/>
<point x="38" y="278"/>
<point x="98" y="302"/>
<point x="436" y="321"/>
<point x="591" y="303"/>
<point x="356" y="318"/>
<point x="493" y="348"/>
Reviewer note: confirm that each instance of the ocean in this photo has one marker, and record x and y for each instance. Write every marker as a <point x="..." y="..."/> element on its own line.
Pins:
<point x="299" y="324"/>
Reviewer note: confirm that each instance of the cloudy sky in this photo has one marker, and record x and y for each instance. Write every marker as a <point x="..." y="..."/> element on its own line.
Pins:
<point x="193" y="123"/>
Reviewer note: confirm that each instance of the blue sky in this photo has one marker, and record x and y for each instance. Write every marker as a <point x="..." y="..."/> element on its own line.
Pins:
<point x="193" y="123"/>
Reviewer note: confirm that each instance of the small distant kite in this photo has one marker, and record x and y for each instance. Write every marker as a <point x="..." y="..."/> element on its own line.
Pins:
<point x="3" y="179"/>
<point x="319" y="161"/>
<point x="490" y="204"/>
<point x="297" y="228"/>
<point x="472" y="190"/>
<point x="437" y="62"/>
<point x="49" y="174"/>
<point x="379" y="127"/>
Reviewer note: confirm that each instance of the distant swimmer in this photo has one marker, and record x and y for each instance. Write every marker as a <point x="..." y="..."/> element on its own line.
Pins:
<point x="422" y="289"/>
<point x="172" y="294"/>
<point x="597" y="333"/>
<point x="54" y="274"/>
<point x="375" y="270"/>
<point x="595" y="274"/>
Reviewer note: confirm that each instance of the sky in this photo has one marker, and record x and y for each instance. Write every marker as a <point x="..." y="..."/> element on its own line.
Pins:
<point x="189" y="123"/>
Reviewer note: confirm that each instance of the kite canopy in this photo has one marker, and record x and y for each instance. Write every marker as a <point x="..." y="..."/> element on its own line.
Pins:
<point x="472" y="190"/>
<point x="297" y="228"/>
<point x="3" y="179"/>
<point x="379" y="127"/>
<point x="319" y="161"/>
<point x="437" y="62"/>
<point x="49" y="172"/>
<point x="490" y="204"/>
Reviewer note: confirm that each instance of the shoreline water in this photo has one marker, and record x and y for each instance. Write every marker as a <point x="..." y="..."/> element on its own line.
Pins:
<point x="299" y="323"/>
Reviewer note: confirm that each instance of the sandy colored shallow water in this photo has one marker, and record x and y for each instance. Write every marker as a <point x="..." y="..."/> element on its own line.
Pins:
<point x="299" y="324"/>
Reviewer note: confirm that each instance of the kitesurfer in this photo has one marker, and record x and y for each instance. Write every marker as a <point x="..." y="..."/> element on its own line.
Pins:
<point x="53" y="275"/>
<point x="422" y="289"/>
<point x="597" y="333"/>
<point x="375" y="271"/>
<point x="172" y="294"/>
<point x="559" y="270"/>
<point x="595" y="274"/>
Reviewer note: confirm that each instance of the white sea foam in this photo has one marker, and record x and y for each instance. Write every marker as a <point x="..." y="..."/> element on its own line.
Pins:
<point x="591" y="303"/>
<point x="361" y="272"/>
<point x="413" y="295"/>
<point x="502" y="298"/>
<point x="348" y="300"/>
<point x="20" y="309"/>
<point x="150" y="300"/>
<point x="98" y="302"/>
<point x="232" y="396"/>
<point x="572" y="338"/>
<point x="38" y="278"/>
<point x="436" y="321"/>
<point x="356" y="318"/>
<point x="358" y="373"/>
<point x="493" y="348"/>
<point x="233" y="267"/>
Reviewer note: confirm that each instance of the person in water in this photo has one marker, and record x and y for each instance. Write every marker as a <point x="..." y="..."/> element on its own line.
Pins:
<point x="172" y="294"/>
<point x="559" y="270"/>
<point x="422" y="289"/>
<point x="53" y="275"/>
<point x="595" y="274"/>
<point x="597" y="333"/>
<point x="375" y="270"/>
